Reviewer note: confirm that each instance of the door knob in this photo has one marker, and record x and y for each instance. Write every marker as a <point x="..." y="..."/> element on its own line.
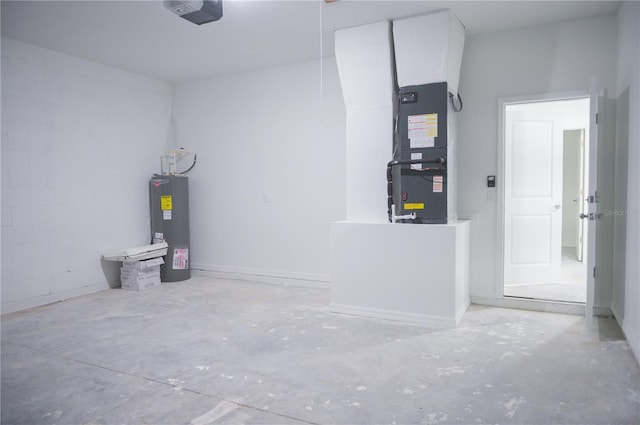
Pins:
<point x="557" y="206"/>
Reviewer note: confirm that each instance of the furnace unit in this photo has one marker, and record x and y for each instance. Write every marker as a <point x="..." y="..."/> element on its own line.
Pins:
<point x="422" y="158"/>
<point x="422" y="174"/>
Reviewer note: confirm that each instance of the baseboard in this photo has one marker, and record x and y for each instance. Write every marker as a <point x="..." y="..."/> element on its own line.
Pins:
<point x="602" y="312"/>
<point x="19" y="305"/>
<point x="617" y="315"/>
<point x="398" y="316"/>
<point x="535" y="305"/>
<point x="633" y="341"/>
<point x="309" y="280"/>
<point x="462" y="310"/>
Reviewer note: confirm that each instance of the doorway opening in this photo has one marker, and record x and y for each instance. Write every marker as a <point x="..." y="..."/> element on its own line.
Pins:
<point x="546" y="180"/>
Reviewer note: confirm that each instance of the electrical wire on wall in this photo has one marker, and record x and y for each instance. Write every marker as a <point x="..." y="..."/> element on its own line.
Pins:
<point x="453" y="105"/>
<point x="320" y="2"/>
<point x="169" y="146"/>
<point x="171" y="134"/>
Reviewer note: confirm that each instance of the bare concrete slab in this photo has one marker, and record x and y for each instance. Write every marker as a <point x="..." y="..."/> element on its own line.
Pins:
<point x="211" y="351"/>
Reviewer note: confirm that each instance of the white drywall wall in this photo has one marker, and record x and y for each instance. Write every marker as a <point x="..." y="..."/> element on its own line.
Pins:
<point x="364" y="60"/>
<point x="539" y="60"/>
<point x="570" y="187"/>
<point x="271" y="169"/>
<point x="626" y="291"/>
<point x="620" y="203"/>
<point x="372" y="277"/>
<point x="79" y="143"/>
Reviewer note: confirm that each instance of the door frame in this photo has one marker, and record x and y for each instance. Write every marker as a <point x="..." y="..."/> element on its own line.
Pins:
<point x="500" y="177"/>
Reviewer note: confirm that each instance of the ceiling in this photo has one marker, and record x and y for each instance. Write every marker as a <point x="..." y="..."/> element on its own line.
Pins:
<point x="145" y="38"/>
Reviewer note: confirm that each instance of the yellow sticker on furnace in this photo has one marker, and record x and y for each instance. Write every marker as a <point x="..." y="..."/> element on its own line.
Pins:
<point x="414" y="206"/>
<point x="166" y="203"/>
<point x="431" y="121"/>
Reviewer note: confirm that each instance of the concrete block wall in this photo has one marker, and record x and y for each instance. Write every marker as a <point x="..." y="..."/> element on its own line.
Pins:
<point x="79" y="142"/>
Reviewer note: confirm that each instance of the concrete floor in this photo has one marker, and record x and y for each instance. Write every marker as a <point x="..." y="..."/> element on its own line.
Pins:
<point x="570" y="286"/>
<point x="228" y="352"/>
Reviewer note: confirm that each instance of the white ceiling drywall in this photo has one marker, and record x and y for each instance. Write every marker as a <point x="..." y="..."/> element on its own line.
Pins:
<point x="144" y="37"/>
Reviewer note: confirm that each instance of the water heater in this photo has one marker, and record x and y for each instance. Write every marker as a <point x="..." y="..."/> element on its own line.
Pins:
<point x="169" y="204"/>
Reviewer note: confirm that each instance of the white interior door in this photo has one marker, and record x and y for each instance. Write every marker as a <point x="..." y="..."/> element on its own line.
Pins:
<point x="582" y="202"/>
<point x="533" y="197"/>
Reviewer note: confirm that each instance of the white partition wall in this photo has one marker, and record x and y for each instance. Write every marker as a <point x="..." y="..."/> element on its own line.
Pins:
<point x="364" y="59"/>
<point x="417" y="273"/>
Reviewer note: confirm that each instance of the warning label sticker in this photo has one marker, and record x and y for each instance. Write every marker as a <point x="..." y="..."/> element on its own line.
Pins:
<point x="424" y="126"/>
<point x="180" y="259"/>
<point x="422" y="142"/>
<point x="437" y="183"/>
<point x="166" y="203"/>
<point x="414" y="206"/>
<point x="416" y="155"/>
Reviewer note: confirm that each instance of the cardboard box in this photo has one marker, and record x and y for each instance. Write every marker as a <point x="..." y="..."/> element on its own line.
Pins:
<point x="140" y="275"/>
<point x="145" y="264"/>
<point x="141" y="282"/>
<point x="131" y="273"/>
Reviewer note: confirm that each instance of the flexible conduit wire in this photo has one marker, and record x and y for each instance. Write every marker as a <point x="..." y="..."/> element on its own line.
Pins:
<point x="195" y="158"/>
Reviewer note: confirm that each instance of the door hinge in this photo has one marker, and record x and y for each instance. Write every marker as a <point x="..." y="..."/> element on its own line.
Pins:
<point x="594" y="272"/>
<point x="597" y="116"/>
